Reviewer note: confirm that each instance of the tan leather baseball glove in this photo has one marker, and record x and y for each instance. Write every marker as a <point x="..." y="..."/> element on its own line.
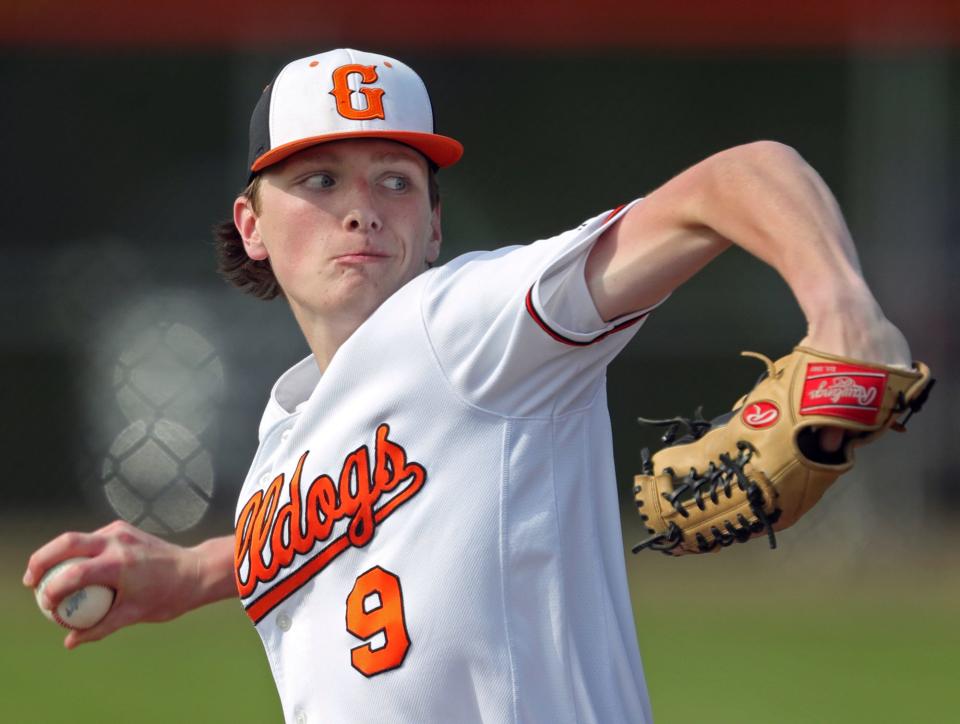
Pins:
<point x="760" y="467"/>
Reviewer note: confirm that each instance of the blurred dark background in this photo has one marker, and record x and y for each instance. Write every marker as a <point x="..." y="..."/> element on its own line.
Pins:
<point x="134" y="377"/>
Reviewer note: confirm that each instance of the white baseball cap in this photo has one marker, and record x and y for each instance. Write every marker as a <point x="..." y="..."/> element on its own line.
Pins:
<point x="345" y="94"/>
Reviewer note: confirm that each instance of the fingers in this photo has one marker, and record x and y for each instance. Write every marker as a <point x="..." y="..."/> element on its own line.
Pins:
<point x="831" y="439"/>
<point x="112" y="622"/>
<point x="103" y="570"/>
<point x="67" y="545"/>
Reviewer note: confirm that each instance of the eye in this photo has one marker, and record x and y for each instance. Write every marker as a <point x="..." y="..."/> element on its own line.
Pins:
<point x="396" y="183"/>
<point x="317" y="181"/>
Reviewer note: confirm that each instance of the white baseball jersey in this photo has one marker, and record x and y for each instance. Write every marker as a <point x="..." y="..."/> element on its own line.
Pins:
<point x="430" y="531"/>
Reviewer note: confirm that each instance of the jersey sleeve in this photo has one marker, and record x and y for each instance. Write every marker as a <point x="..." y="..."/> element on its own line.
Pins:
<point x="516" y="331"/>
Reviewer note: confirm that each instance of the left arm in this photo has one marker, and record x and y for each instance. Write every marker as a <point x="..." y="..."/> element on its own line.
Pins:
<point x="766" y="199"/>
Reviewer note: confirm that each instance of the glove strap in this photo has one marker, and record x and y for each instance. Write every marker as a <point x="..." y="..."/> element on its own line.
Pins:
<point x="911" y="407"/>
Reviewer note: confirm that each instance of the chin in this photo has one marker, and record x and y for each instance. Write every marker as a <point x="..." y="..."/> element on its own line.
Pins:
<point x="365" y="297"/>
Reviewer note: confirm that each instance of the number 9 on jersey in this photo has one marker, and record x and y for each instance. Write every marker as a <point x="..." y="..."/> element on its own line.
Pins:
<point x="375" y="606"/>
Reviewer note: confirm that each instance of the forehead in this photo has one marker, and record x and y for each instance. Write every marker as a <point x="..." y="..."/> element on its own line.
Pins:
<point x="356" y="151"/>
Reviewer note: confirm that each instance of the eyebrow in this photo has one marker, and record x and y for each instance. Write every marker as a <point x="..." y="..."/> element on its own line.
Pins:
<point x="329" y="155"/>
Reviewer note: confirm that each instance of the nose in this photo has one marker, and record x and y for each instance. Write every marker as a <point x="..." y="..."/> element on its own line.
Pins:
<point x="362" y="214"/>
<point x="361" y="220"/>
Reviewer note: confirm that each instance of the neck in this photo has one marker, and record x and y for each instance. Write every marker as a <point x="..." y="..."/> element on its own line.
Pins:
<point x="326" y="334"/>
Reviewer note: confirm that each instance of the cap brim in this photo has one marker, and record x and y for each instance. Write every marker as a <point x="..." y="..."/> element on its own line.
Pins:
<point x="442" y="150"/>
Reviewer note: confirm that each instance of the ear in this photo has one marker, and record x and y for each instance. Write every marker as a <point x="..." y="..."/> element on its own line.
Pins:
<point x="245" y="219"/>
<point x="433" y="247"/>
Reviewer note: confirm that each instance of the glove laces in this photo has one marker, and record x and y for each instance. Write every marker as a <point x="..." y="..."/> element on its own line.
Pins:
<point x="697" y="488"/>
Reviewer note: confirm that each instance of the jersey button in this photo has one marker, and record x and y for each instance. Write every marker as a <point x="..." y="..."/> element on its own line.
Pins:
<point x="299" y="716"/>
<point x="284" y="435"/>
<point x="265" y="478"/>
<point x="284" y="622"/>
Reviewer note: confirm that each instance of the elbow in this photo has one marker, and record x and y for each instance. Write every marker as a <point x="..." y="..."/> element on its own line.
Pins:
<point x="767" y="155"/>
<point x="755" y="167"/>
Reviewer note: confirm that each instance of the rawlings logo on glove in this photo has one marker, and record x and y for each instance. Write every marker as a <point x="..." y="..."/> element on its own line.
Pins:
<point x="761" y="414"/>
<point x="759" y="468"/>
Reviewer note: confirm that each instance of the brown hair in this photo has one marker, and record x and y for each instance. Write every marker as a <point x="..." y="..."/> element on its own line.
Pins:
<point x="256" y="277"/>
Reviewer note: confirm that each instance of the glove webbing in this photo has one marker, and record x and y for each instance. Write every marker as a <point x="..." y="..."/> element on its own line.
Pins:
<point x="717" y="478"/>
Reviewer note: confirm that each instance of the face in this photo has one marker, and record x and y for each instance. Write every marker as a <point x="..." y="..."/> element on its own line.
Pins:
<point x="344" y="224"/>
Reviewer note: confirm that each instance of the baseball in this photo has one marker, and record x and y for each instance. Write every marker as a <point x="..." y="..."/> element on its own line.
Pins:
<point x="81" y="609"/>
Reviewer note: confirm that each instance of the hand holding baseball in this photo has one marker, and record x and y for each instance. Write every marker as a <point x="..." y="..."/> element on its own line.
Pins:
<point x="154" y="580"/>
<point x="81" y="609"/>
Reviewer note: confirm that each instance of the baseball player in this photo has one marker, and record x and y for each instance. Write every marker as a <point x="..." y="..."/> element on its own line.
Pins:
<point x="429" y="531"/>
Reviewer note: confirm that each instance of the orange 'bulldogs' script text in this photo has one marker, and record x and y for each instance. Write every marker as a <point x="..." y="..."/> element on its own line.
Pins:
<point x="297" y="526"/>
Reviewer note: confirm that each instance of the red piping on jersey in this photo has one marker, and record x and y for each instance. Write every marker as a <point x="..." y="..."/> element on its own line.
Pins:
<point x="566" y="340"/>
<point x="573" y="342"/>
<point x="614" y="213"/>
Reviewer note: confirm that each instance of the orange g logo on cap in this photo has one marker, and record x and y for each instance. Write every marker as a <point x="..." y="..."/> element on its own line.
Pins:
<point x="343" y="94"/>
<point x="340" y="95"/>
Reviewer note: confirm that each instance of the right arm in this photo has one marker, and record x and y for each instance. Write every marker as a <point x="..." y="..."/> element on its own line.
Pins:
<point x="765" y="198"/>
<point x="154" y="580"/>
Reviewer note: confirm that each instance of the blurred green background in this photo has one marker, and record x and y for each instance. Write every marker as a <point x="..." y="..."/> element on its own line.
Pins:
<point x="747" y="636"/>
<point x="134" y="378"/>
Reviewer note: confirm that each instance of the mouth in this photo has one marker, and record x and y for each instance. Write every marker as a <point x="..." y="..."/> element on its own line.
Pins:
<point x="360" y="257"/>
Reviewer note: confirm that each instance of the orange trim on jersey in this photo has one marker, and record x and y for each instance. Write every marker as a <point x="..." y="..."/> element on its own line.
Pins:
<point x="292" y="583"/>
<point x="573" y="342"/>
